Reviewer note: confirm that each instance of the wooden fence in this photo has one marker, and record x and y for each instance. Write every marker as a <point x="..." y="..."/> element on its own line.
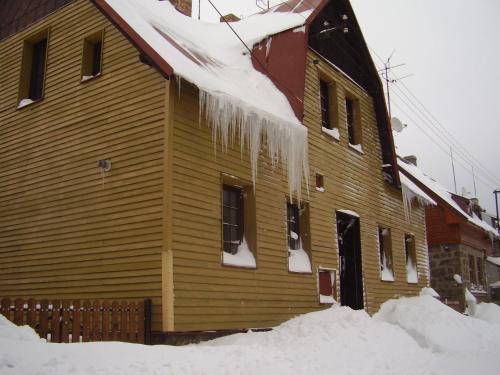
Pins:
<point x="82" y="321"/>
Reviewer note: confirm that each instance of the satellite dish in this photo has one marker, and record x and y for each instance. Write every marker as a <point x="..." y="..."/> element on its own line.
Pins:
<point x="397" y="125"/>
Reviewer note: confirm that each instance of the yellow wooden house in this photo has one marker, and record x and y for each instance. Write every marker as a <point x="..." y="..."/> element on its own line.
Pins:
<point x="139" y="160"/>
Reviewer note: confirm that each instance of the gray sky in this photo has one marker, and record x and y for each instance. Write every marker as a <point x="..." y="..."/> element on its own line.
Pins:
<point x="452" y="51"/>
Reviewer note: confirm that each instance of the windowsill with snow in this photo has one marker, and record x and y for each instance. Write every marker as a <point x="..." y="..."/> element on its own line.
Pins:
<point x="358" y="148"/>
<point x="326" y="299"/>
<point x="298" y="261"/>
<point x="243" y="258"/>
<point x="386" y="275"/>
<point x="411" y="272"/>
<point x="320" y="189"/>
<point x="26" y="102"/>
<point x="334" y="132"/>
<point x="89" y="78"/>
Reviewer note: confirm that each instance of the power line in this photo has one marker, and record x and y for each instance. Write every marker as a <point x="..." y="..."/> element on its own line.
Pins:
<point x="463" y="152"/>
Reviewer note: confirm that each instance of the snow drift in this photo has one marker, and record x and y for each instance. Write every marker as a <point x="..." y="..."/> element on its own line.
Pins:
<point x="416" y="335"/>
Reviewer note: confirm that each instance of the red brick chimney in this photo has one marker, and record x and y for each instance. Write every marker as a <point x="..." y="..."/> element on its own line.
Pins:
<point x="183" y="6"/>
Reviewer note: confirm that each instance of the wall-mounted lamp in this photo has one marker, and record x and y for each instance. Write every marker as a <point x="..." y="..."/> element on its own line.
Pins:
<point x="104" y="165"/>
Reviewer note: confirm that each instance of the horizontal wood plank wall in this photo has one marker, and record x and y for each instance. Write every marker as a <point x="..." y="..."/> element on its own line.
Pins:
<point x="67" y="231"/>
<point x="209" y="295"/>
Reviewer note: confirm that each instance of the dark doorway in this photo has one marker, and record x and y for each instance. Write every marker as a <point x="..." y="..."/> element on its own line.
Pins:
<point x="349" y="241"/>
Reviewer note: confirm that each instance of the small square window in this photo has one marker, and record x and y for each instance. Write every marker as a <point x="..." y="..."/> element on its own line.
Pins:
<point x="320" y="185"/>
<point x="92" y="56"/>
<point x="33" y="67"/>
<point x="299" y="259"/>
<point x="326" y="283"/>
<point x="411" y="259"/>
<point x="385" y="252"/>
<point x="238" y="224"/>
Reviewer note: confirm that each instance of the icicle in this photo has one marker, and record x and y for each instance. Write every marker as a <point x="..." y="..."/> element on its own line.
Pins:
<point x="285" y="141"/>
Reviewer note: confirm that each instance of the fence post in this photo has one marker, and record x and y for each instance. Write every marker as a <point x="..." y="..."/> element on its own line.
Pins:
<point x="147" y="321"/>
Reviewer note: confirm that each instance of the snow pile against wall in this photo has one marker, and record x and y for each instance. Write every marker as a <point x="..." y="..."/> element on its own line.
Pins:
<point x="411" y="336"/>
<point x="237" y="100"/>
<point x="9" y="331"/>
<point x="444" y="194"/>
<point x="488" y="312"/>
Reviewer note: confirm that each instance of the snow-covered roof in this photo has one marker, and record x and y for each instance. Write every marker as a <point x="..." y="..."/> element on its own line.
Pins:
<point x="494" y="260"/>
<point x="417" y="193"/>
<point x="442" y="193"/>
<point x="233" y="94"/>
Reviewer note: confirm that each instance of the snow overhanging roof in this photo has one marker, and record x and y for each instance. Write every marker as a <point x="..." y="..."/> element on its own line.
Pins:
<point x="233" y="94"/>
<point x="442" y="194"/>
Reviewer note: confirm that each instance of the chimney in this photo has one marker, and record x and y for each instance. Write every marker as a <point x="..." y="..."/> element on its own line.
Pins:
<point x="412" y="159"/>
<point x="183" y="6"/>
<point x="229" y="18"/>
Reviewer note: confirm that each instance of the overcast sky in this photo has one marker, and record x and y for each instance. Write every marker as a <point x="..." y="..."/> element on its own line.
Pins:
<point x="452" y="51"/>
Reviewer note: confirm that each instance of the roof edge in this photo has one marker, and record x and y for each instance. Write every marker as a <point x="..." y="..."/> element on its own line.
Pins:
<point x="156" y="60"/>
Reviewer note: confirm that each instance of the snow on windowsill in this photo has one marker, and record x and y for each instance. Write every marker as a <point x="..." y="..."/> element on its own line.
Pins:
<point x="88" y="78"/>
<point x="411" y="272"/>
<point x="386" y="274"/>
<point x="25" y="102"/>
<point x="349" y="212"/>
<point x="243" y="257"/>
<point x="298" y="261"/>
<point x="320" y="189"/>
<point x="334" y="133"/>
<point x="357" y="148"/>
<point x="326" y="299"/>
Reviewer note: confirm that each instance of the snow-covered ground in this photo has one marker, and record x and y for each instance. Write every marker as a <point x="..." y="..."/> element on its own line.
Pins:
<point x="407" y="336"/>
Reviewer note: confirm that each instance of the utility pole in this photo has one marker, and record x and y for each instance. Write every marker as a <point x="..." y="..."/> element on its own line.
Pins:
<point x="474" y="181"/>
<point x="453" y="168"/>
<point x="496" y="203"/>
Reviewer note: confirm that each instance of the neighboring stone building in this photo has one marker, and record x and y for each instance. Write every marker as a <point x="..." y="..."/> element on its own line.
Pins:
<point x="459" y="240"/>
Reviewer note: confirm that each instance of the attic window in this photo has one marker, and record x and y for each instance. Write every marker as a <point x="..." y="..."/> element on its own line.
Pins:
<point x="353" y="121"/>
<point x="328" y="106"/>
<point x="92" y="56"/>
<point x="33" y="67"/>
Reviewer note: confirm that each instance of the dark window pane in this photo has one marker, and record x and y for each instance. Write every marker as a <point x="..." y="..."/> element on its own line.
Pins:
<point x="349" y="107"/>
<point x="96" y="61"/>
<point x="37" y="69"/>
<point x="232" y="218"/>
<point x="325" y="104"/>
<point x="293" y="227"/>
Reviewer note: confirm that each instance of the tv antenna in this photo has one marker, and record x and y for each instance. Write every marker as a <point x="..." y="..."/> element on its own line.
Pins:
<point x="262" y="4"/>
<point x="385" y="75"/>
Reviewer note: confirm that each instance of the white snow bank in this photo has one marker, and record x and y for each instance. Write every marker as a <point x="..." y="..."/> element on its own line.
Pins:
<point x="243" y="257"/>
<point x="439" y="328"/>
<point x="444" y="194"/>
<point x="411" y="336"/>
<point x="9" y="331"/>
<point x="427" y="291"/>
<point x="234" y="97"/>
<point x="489" y="312"/>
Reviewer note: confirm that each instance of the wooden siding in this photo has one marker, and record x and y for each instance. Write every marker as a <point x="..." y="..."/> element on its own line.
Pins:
<point x="66" y="231"/>
<point x="209" y="295"/>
